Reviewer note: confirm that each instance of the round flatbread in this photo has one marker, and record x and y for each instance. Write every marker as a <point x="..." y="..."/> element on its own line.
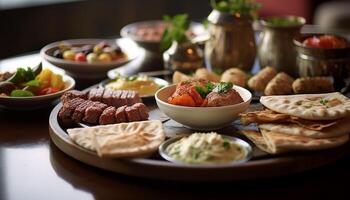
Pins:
<point x="329" y="106"/>
<point x="278" y="142"/>
<point x="84" y="136"/>
<point x="275" y="143"/>
<point x="257" y="138"/>
<point x="342" y="127"/>
<point x="134" y="139"/>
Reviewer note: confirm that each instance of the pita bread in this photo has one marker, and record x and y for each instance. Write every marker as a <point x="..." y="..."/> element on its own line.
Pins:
<point x="130" y="139"/>
<point x="329" y="106"/>
<point x="274" y="143"/>
<point x="257" y="138"/>
<point x="278" y="142"/>
<point x="269" y="116"/>
<point x="133" y="139"/>
<point x="340" y="128"/>
<point x="84" y="136"/>
<point x="263" y="116"/>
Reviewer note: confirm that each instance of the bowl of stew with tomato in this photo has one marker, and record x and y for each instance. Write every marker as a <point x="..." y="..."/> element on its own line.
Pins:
<point x="324" y="55"/>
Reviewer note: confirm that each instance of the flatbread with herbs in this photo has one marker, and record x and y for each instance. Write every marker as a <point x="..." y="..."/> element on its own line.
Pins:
<point x="328" y="106"/>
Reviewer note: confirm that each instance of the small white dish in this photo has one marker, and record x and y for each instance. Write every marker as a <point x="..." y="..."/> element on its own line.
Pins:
<point x="249" y="152"/>
<point x="202" y="118"/>
<point x="35" y="102"/>
<point x="161" y="82"/>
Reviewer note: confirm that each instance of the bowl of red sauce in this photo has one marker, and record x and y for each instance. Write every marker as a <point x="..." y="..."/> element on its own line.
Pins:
<point x="324" y="55"/>
<point x="203" y="105"/>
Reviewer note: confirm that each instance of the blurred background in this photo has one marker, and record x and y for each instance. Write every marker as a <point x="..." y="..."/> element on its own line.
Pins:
<point x="28" y="25"/>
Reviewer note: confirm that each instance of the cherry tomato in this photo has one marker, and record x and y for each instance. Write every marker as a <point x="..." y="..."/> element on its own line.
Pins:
<point x="80" y="57"/>
<point x="330" y="41"/>
<point x="312" y="42"/>
<point x="48" y="90"/>
<point x="325" y="41"/>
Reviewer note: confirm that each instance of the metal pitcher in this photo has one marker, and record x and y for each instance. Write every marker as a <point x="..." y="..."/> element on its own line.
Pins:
<point x="231" y="43"/>
<point x="276" y="48"/>
<point x="185" y="57"/>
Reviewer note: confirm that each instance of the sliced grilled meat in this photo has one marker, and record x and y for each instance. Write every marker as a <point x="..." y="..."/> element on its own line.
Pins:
<point x="132" y="114"/>
<point x="96" y="94"/>
<point x="107" y="97"/>
<point x="110" y="97"/>
<point x="133" y="97"/>
<point x="108" y="116"/>
<point x="116" y="98"/>
<point x="80" y="111"/>
<point x="124" y="96"/>
<point x="68" y="108"/>
<point x="93" y="112"/>
<point x="72" y="94"/>
<point x="143" y="110"/>
<point x="120" y="115"/>
<point x="92" y="93"/>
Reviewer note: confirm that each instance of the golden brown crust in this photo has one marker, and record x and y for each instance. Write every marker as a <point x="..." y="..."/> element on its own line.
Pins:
<point x="269" y="116"/>
<point x="206" y="74"/>
<point x="261" y="79"/>
<point x="280" y="84"/>
<point x="235" y="76"/>
<point x="312" y="85"/>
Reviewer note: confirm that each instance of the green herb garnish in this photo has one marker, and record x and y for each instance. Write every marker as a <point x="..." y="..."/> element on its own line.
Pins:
<point x="235" y="6"/>
<point x="210" y="86"/>
<point x="176" y="32"/>
<point x="130" y="78"/>
<point x="33" y="83"/>
<point x="283" y="21"/>
<point x="226" y="144"/>
<point x="22" y="75"/>
<point x="223" y="87"/>
<point x="205" y="23"/>
<point x="324" y="101"/>
<point x="21" y="93"/>
<point x="204" y="91"/>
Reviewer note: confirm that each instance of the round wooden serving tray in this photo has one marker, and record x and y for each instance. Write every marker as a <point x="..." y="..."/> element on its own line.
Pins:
<point x="261" y="165"/>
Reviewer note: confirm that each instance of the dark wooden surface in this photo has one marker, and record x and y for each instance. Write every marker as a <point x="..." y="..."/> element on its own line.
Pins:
<point x="32" y="167"/>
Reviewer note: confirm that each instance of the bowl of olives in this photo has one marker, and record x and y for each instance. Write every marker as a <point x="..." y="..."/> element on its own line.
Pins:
<point x="90" y="58"/>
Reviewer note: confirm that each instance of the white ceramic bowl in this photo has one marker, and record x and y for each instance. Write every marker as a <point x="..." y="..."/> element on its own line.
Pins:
<point x="84" y="70"/>
<point x="202" y="118"/>
<point x="35" y="102"/>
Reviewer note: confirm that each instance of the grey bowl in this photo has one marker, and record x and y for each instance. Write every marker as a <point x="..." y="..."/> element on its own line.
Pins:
<point x="86" y="70"/>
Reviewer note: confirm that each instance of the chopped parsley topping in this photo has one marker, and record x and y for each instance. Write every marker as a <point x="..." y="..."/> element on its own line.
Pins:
<point x="204" y="91"/>
<point x="324" y="101"/>
<point x="226" y="144"/>
<point x="223" y="87"/>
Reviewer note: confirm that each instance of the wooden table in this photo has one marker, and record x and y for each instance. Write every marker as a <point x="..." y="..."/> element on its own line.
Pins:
<point x="32" y="167"/>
